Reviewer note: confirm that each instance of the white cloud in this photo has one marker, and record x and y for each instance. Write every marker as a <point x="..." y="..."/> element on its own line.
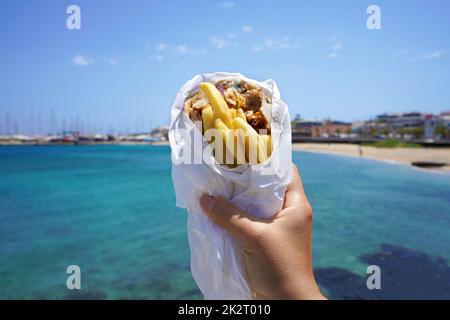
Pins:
<point x="162" y="46"/>
<point x="336" y="47"/>
<point x="221" y="43"/>
<point x="227" y="5"/>
<point x="257" y="49"/>
<point x="403" y="52"/>
<point x="333" y="55"/>
<point x="157" y="58"/>
<point x="247" y="29"/>
<point x="231" y="35"/>
<point x="164" y="50"/>
<point x="406" y="55"/>
<point x="409" y="56"/>
<point x="280" y="43"/>
<point x="113" y="61"/>
<point x="432" y="55"/>
<point x="185" y="50"/>
<point x="81" y="60"/>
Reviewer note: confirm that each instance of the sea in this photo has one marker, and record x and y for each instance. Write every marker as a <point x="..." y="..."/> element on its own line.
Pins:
<point x="110" y="210"/>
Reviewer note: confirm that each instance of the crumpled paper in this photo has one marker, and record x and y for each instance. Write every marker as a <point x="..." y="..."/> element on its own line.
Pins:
<point x="216" y="256"/>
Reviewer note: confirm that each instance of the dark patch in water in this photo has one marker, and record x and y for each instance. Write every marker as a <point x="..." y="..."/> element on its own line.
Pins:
<point x="157" y="283"/>
<point x="190" y="294"/>
<point x="85" y="295"/>
<point x="58" y="231"/>
<point x="405" y="274"/>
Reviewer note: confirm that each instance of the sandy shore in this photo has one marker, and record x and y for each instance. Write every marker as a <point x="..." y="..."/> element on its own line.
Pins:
<point x="397" y="155"/>
<point x="161" y="143"/>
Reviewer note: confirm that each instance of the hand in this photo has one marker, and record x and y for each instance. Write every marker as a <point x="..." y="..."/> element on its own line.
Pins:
<point x="277" y="252"/>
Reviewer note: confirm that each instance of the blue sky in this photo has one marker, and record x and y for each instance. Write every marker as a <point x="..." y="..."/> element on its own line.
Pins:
<point x="123" y="68"/>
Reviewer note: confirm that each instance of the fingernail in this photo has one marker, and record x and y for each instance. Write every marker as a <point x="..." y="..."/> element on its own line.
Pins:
<point x="207" y="202"/>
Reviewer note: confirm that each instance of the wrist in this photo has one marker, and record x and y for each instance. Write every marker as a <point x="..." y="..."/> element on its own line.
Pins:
<point x="305" y="289"/>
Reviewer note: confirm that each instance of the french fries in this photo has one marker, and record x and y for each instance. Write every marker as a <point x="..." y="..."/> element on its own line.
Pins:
<point x="240" y="113"/>
<point x="220" y="107"/>
<point x="225" y="144"/>
<point x="233" y="113"/>
<point x="255" y="146"/>
<point x="235" y="141"/>
<point x="207" y="118"/>
<point x="267" y="141"/>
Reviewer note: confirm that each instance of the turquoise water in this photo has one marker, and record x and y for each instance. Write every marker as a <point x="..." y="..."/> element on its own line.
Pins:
<point x="110" y="210"/>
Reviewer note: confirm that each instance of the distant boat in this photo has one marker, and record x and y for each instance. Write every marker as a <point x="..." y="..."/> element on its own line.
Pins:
<point x="428" y="164"/>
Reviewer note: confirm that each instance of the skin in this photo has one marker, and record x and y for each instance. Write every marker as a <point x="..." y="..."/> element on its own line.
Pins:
<point x="277" y="252"/>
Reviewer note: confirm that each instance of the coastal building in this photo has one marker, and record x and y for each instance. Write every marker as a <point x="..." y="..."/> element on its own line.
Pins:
<point x="17" y="139"/>
<point x="357" y="126"/>
<point x="336" y="128"/>
<point x="317" y="129"/>
<point x="429" y="126"/>
<point x="402" y="120"/>
<point x="443" y="126"/>
<point x="444" y="119"/>
<point x="161" y="133"/>
<point x="95" y="138"/>
<point x="409" y="125"/>
<point x="138" y="137"/>
<point x="306" y="128"/>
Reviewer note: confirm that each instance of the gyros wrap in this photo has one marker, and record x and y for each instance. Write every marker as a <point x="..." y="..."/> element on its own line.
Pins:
<point x="230" y="137"/>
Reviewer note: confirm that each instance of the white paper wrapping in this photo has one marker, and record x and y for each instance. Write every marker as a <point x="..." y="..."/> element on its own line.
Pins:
<point x="216" y="257"/>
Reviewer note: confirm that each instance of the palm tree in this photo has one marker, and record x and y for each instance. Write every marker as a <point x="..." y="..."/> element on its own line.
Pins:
<point x="361" y="132"/>
<point x="442" y="131"/>
<point x="386" y="131"/>
<point x="417" y="132"/>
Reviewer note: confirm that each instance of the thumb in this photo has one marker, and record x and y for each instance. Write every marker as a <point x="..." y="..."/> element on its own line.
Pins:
<point x="229" y="217"/>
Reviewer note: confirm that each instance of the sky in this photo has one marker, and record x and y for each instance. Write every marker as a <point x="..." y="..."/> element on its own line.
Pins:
<point x="121" y="71"/>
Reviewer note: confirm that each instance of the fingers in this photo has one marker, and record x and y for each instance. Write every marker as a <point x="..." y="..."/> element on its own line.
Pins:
<point x="236" y="221"/>
<point x="294" y="193"/>
<point x="229" y="217"/>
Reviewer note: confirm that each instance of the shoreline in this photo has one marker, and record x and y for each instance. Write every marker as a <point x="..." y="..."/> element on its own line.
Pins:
<point x="402" y="156"/>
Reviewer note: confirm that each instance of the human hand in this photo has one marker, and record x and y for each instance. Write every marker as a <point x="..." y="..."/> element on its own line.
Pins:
<point x="277" y="252"/>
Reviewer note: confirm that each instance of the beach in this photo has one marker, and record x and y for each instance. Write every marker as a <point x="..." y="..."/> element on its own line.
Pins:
<point x="396" y="155"/>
